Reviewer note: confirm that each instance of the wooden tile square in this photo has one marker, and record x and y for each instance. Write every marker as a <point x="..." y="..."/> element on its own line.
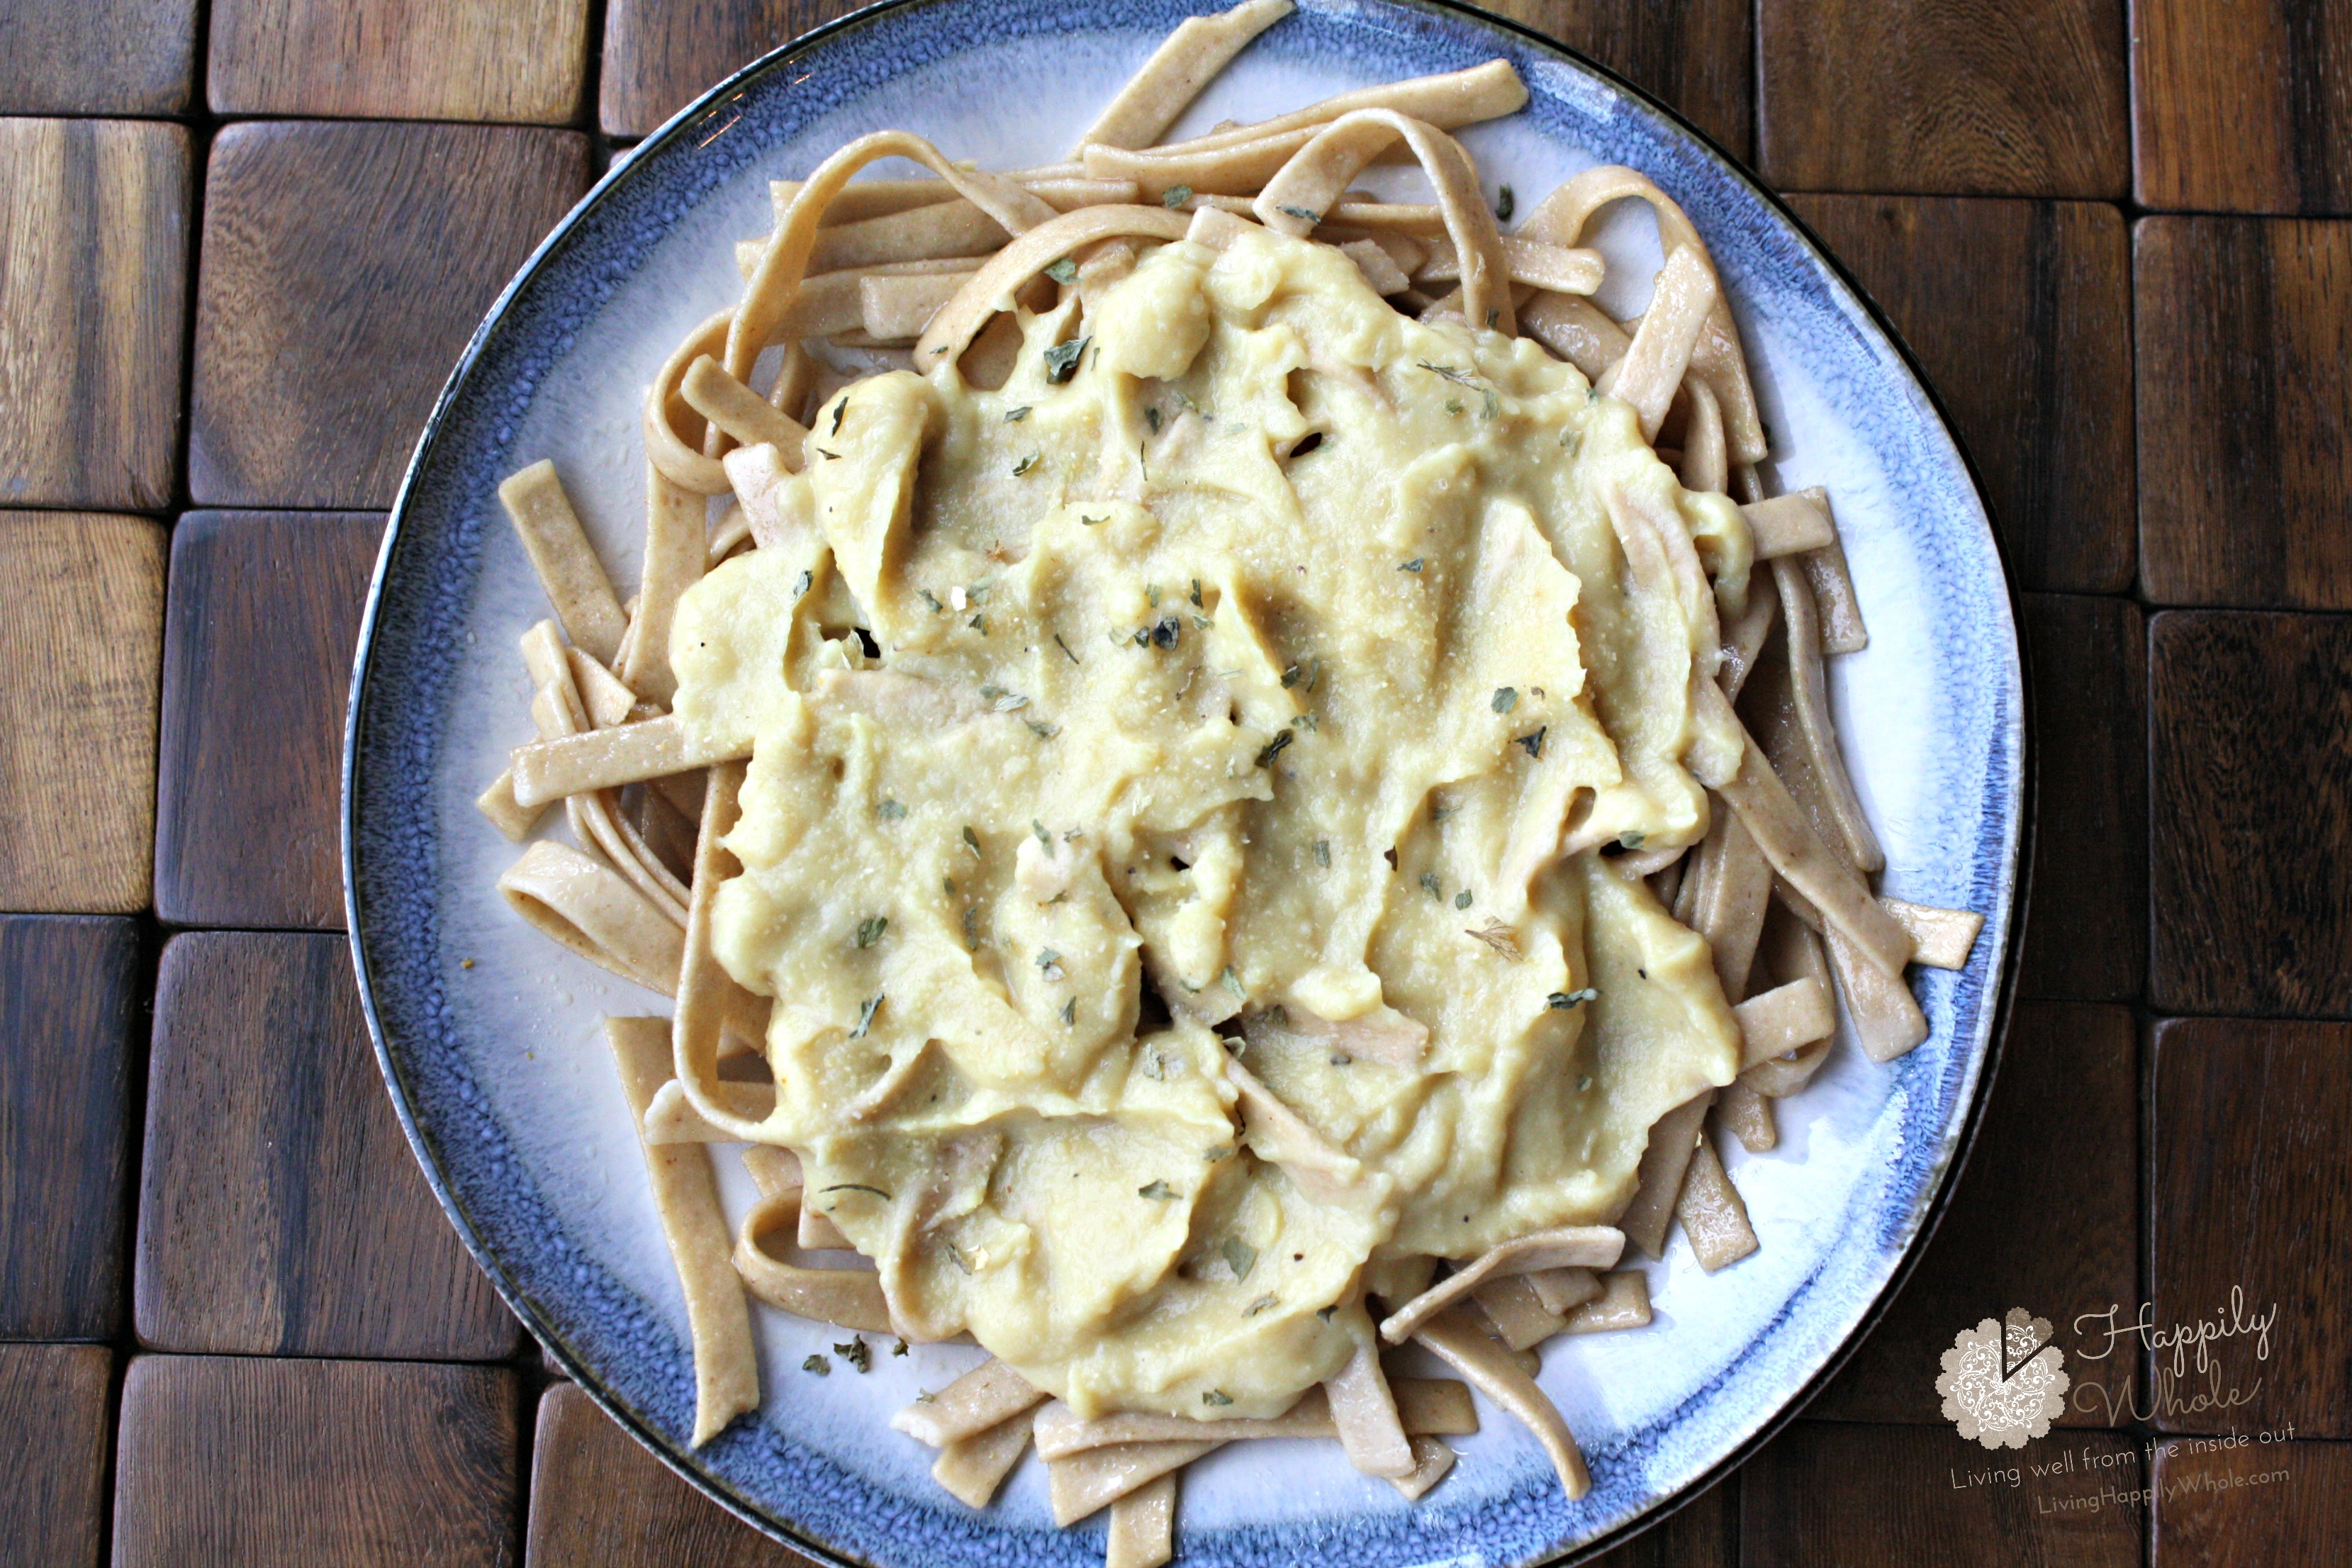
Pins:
<point x="2246" y="411"/>
<point x="2250" y="1201"/>
<point x="344" y="266"/>
<point x="2250" y="780"/>
<point x="661" y="55"/>
<point x="264" y="614"/>
<point x="2086" y="921"/>
<point x="2259" y="1503"/>
<point x="1837" y="1492"/>
<point x="1694" y="54"/>
<point x="2241" y="105"/>
<point x="70" y="992"/>
<point x="99" y="56"/>
<point x="238" y="1462"/>
<point x="53" y="1453"/>
<point x="523" y="61"/>
<point x="280" y="1212"/>
<point x="81" y="632"/>
<point x="598" y="1495"/>
<point x="94" y="245"/>
<point x="2021" y="314"/>
<point x="2011" y="98"/>
<point x="2046" y="1217"/>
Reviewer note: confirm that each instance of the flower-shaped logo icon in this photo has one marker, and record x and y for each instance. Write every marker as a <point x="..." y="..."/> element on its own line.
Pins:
<point x="2003" y="1382"/>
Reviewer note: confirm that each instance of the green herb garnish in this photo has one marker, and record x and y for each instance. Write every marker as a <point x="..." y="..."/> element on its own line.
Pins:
<point x="856" y="1353"/>
<point x="1560" y="1001"/>
<point x="1323" y="853"/>
<point x="1062" y="360"/>
<point x="1461" y="900"/>
<point x="1273" y="748"/>
<point x="970" y="841"/>
<point x="1175" y="195"/>
<point x="854" y="1187"/>
<point x="1218" y="1396"/>
<point x="819" y="1365"/>
<point x="1159" y="1192"/>
<point x="1301" y="214"/>
<point x="1065" y="648"/>
<point x="870" y="930"/>
<point x="1506" y="202"/>
<point x="1414" y="565"/>
<point x="1015" y="416"/>
<point x="1506" y="699"/>
<point x="1240" y="1257"/>
<point x="1534" y="743"/>
<point x="865" y="1020"/>
<point x="1025" y="464"/>
<point x="891" y="811"/>
<point x="1063" y="271"/>
<point x="1429" y="880"/>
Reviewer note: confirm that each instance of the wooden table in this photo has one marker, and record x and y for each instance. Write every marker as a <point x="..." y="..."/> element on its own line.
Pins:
<point x="242" y="242"/>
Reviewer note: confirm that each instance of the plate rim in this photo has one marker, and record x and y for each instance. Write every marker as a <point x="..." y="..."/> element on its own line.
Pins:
<point x="2003" y="984"/>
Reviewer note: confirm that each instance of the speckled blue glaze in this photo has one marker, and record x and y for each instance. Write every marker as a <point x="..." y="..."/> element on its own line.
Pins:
<point x="628" y="1354"/>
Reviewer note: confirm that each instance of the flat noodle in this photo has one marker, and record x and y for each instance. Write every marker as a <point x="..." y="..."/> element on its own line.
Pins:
<point x="1184" y="63"/>
<point x="1787" y="525"/>
<point x="773" y="1169"/>
<point x="1447" y="101"/>
<point x="1567" y="1246"/>
<point x="685" y="1196"/>
<point x="987" y="1394"/>
<point x="1086" y="1483"/>
<point x="898" y="309"/>
<point x="1521" y="1319"/>
<point x="1725" y="896"/>
<point x="846" y="1298"/>
<point x="1623" y="1303"/>
<point x="677" y="549"/>
<point x="1712" y="1213"/>
<point x="1575" y="329"/>
<point x="972" y="1469"/>
<point x="705" y="990"/>
<point x="1294" y="200"/>
<point x="1654" y="366"/>
<point x="819" y="1234"/>
<point x="1143" y="1526"/>
<point x="1659" y="1180"/>
<point x="566" y="563"/>
<point x="1781" y="1019"/>
<point x="1281" y="1136"/>
<point x="672" y="1118"/>
<point x="925" y="233"/>
<point x="594" y="820"/>
<point x="1062" y="187"/>
<point x="680" y="457"/>
<point x="1942" y="939"/>
<point x="584" y="905"/>
<point x="1746" y="1114"/>
<point x="1365" y="1413"/>
<point x="1551" y="266"/>
<point x="508" y="816"/>
<point x="1562" y="1290"/>
<point x="743" y="413"/>
<point x="960" y="321"/>
<point x="1436" y="1406"/>
<point x="1886" y="1015"/>
<point x="608" y="701"/>
<point x="1705" y="465"/>
<point x="604" y="759"/>
<point x="1432" y="1462"/>
<point x="1458" y="1341"/>
<point x="1809" y="698"/>
<point x="1380" y="269"/>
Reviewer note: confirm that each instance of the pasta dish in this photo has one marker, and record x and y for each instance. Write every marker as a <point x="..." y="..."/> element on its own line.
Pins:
<point x="1225" y="774"/>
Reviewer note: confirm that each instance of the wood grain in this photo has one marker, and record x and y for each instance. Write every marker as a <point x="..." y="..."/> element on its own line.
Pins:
<point x="2246" y="412"/>
<point x="70" y="990"/>
<point x="598" y="1495"/>
<point x="2019" y="313"/>
<point x="280" y="1212"/>
<point x="81" y="629"/>
<point x="93" y="238"/>
<point x="501" y="60"/>
<point x="257" y="645"/>
<point x="2263" y="1503"/>
<point x="2022" y="98"/>
<point x="1702" y="1533"/>
<point x="1832" y="1492"/>
<point x="1694" y="54"/>
<point x="102" y="56"/>
<point x="2250" y="773"/>
<point x="659" y="54"/>
<point x="344" y="265"/>
<point x="233" y="1462"/>
<point x="53" y="1454"/>
<point x="2086" y="921"/>
<point x="2251" y="1190"/>
<point x="2242" y="105"/>
<point x="2045" y="1215"/>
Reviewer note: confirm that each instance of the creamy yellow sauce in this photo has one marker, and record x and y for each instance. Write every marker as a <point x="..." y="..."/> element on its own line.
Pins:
<point x="1276" y="655"/>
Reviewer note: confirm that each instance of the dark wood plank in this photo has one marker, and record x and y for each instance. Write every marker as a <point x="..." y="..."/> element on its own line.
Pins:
<point x="101" y="56"/>
<point x="1834" y="1492"/>
<point x="2016" y="98"/>
<point x="1694" y="54"/>
<point x="2065" y="1119"/>
<point x="2021" y="314"/>
<point x="81" y="632"/>
<point x="343" y="268"/>
<point x="2259" y="1503"/>
<point x="93" y="241"/>
<point x="70" y="991"/>
<point x="2251" y="1198"/>
<point x="280" y="1212"/>
<point x="2246" y="412"/>
<point x="53" y="1454"/>
<point x="2250" y="777"/>
<point x="598" y="1495"/>
<point x="659" y="54"/>
<point x="2086" y="923"/>
<point x="524" y="62"/>
<point x="1702" y="1533"/>
<point x="235" y="1462"/>
<point x="2242" y="105"/>
<point x="265" y="612"/>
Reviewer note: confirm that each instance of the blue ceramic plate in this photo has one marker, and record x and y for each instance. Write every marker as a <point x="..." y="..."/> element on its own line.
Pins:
<point x="498" y="1068"/>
